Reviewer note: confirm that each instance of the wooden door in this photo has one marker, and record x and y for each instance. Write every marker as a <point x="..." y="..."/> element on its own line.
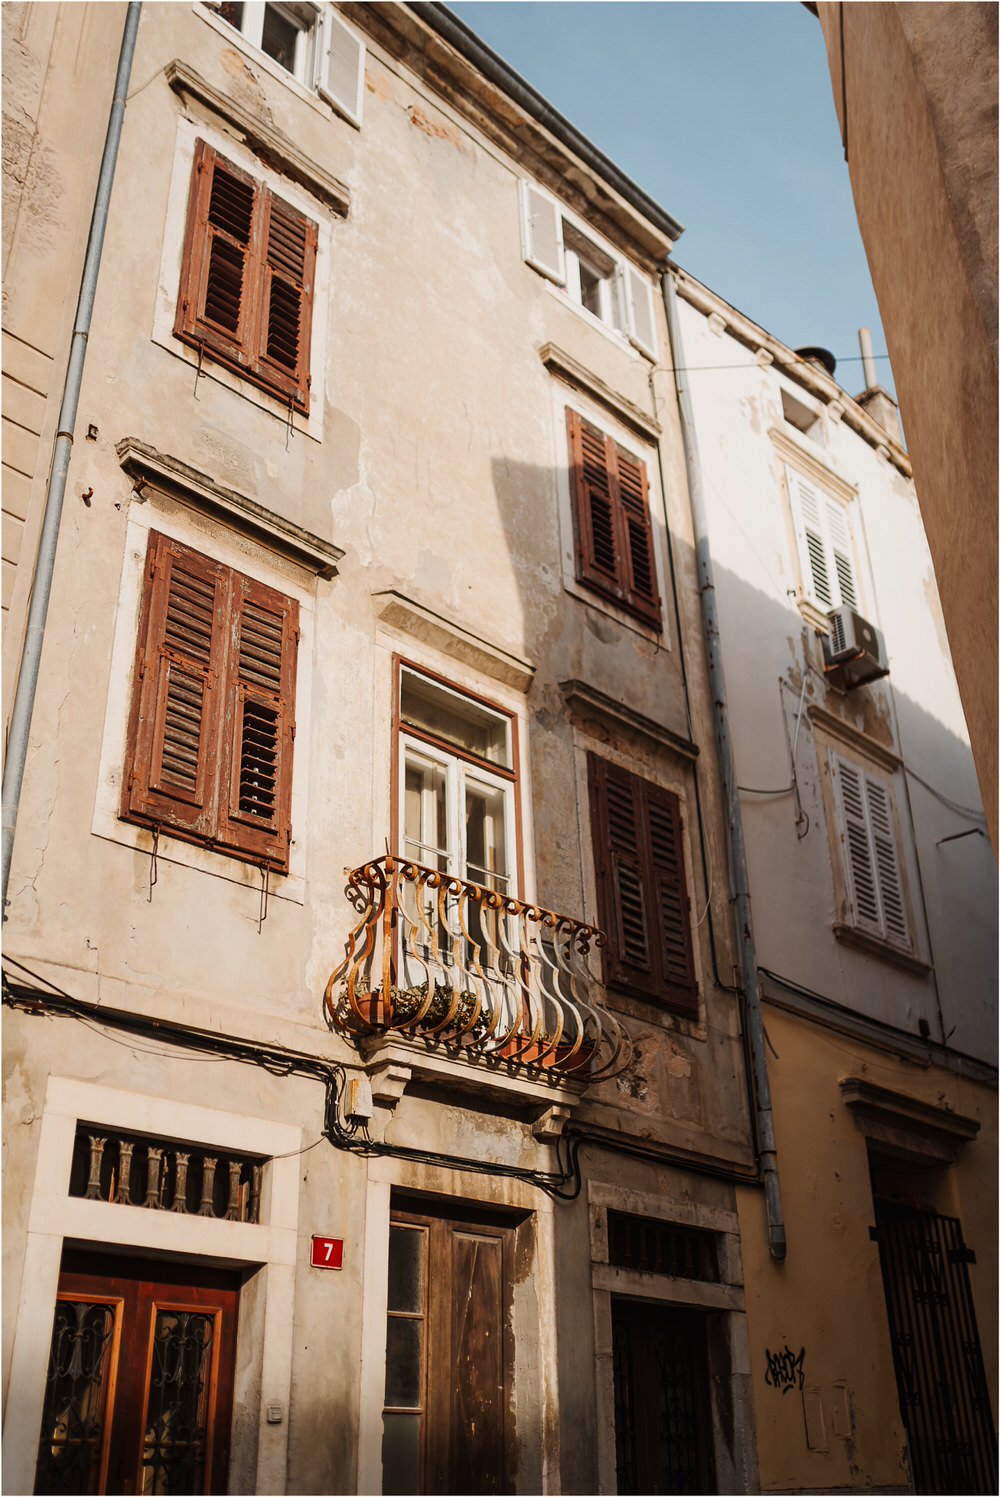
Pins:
<point x="139" y="1392"/>
<point x="448" y="1355"/>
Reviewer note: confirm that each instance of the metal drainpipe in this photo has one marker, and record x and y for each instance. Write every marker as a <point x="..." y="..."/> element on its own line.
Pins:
<point x="749" y="978"/>
<point x="27" y="680"/>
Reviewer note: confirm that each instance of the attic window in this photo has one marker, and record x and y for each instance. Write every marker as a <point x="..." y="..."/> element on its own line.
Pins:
<point x="802" y="416"/>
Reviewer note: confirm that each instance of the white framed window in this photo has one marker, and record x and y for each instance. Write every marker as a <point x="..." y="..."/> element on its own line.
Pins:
<point x="306" y="39"/>
<point x="870" y="852"/>
<point x="592" y="275"/>
<point x="826" y="547"/>
<point x="457" y="783"/>
<point x="457" y="815"/>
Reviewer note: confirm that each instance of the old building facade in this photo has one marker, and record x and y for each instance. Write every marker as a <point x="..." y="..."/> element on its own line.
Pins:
<point x="343" y="1153"/>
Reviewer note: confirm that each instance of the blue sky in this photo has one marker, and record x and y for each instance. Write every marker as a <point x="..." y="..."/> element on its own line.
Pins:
<point x="723" y="113"/>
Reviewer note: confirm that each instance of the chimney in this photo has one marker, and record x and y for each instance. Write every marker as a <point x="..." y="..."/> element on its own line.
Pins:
<point x="877" y="402"/>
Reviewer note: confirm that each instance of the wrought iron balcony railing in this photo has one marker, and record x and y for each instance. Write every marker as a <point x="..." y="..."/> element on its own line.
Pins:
<point x="474" y="970"/>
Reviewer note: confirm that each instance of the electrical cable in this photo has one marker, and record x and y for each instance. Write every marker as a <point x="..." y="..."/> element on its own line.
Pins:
<point x="563" y="1183"/>
<point x="854" y="358"/>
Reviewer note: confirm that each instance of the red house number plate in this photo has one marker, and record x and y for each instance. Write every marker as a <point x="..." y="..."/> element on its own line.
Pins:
<point x="328" y="1252"/>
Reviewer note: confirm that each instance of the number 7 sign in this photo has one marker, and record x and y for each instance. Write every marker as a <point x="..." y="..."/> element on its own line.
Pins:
<point x="327" y="1252"/>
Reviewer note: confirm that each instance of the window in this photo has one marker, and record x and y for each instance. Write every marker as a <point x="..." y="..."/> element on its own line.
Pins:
<point x="247" y="278"/>
<point x="641" y="887"/>
<point x="593" y="277"/>
<point x="447" y="1365"/>
<point x="876" y="901"/>
<point x="614" y="537"/>
<point x="826" y="553"/>
<point x="457" y="773"/>
<point x="310" y="41"/>
<point x="210" y="733"/>
<point x="802" y="416"/>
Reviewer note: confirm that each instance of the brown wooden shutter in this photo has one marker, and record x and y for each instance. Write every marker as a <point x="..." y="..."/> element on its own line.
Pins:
<point x="248" y="277"/>
<point x="258" y="723"/>
<point x="287" y="290"/>
<point x="673" y="914"/>
<point x="614" y="536"/>
<point x="641" y="886"/>
<point x="640" y="580"/>
<point x="213" y="707"/>
<point x="598" y="551"/>
<point x="219" y="274"/>
<point x="170" y="767"/>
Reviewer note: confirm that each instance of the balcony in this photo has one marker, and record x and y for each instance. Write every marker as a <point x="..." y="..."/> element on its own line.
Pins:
<point x="471" y="972"/>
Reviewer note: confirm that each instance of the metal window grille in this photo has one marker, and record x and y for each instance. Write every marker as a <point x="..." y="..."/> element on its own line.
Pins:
<point x="646" y="1245"/>
<point x="943" y="1392"/>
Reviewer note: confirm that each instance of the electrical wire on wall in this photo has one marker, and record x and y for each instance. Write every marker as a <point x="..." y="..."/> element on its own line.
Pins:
<point x="33" y="994"/>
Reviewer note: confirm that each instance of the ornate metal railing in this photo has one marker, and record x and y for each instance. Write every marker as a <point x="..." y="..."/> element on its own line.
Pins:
<point x="471" y="969"/>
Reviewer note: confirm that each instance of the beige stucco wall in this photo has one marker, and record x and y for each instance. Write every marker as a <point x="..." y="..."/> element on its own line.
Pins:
<point x="434" y="456"/>
<point x="920" y="124"/>
<point x="843" y="1430"/>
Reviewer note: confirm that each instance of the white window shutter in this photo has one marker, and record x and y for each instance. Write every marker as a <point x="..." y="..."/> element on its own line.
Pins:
<point x="807" y="509"/>
<point x="859" y="865"/>
<point x="340" y="77"/>
<point x="887" y="862"/>
<point x="541" y="233"/>
<point x="639" y="305"/>
<point x="871" y="853"/>
<point x="842" y="553"/>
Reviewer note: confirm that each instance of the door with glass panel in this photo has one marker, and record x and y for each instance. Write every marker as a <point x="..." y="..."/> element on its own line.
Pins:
<point x="457" y="808"/>
<point x="448" y="1355"/>
<point x="139" y="1390"/>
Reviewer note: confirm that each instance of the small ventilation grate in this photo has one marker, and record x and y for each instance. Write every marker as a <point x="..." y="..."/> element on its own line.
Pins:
<point x="646" y="1245"/>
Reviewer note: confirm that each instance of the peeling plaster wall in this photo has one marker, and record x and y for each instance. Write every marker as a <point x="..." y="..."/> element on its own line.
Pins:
<point x="841" y="1429"/>
<point x="915" y="712"/>
<point x="923" y="175"/>
<point x="827" y="1298"/>
<point x="434" y="456"/>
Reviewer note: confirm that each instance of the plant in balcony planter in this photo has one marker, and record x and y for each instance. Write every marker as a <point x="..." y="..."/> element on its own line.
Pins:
<point x="407" y="1002"/>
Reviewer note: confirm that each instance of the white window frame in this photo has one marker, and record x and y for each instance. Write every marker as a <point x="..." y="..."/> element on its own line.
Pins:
<point x="828" y="558"/>
<point x="458" y="771"/>
<point x="626" y="294"/>
<point x="324" y="39"/>
<point x="871" y="852"/>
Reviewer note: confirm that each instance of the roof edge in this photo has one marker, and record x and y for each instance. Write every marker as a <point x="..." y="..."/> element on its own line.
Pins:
<point x="475" y="51"/>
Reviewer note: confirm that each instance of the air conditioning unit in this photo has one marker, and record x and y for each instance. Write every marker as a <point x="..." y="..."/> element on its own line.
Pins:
<point x="854" y="649"/>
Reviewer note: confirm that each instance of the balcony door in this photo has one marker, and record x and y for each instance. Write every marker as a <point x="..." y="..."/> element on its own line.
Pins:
<point x="139" y="1391"/>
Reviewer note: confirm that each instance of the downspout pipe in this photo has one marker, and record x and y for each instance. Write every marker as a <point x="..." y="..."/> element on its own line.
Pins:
<point x="27" y="680"/>
<point x="749" y="979"/>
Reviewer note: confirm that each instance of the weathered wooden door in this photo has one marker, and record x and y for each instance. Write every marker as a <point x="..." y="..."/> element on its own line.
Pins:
<point x="448" y="1356"/>
<point x="663" y="1417"/>
<point x="139" y="1391"/>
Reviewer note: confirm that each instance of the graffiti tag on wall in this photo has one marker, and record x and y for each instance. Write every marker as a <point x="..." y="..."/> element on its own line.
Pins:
<point x="784" y="1369"/>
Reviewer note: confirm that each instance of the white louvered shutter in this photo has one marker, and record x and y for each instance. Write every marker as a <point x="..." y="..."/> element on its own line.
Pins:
<point x="839" y="533"/>
<point x="638" y="298"/>
<point x="870" y="855"/>
<point x="890" y="884"/>
<point x="541" y="233"/>
<point x="825" y="549"/>
<point x="340" y="76"/>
